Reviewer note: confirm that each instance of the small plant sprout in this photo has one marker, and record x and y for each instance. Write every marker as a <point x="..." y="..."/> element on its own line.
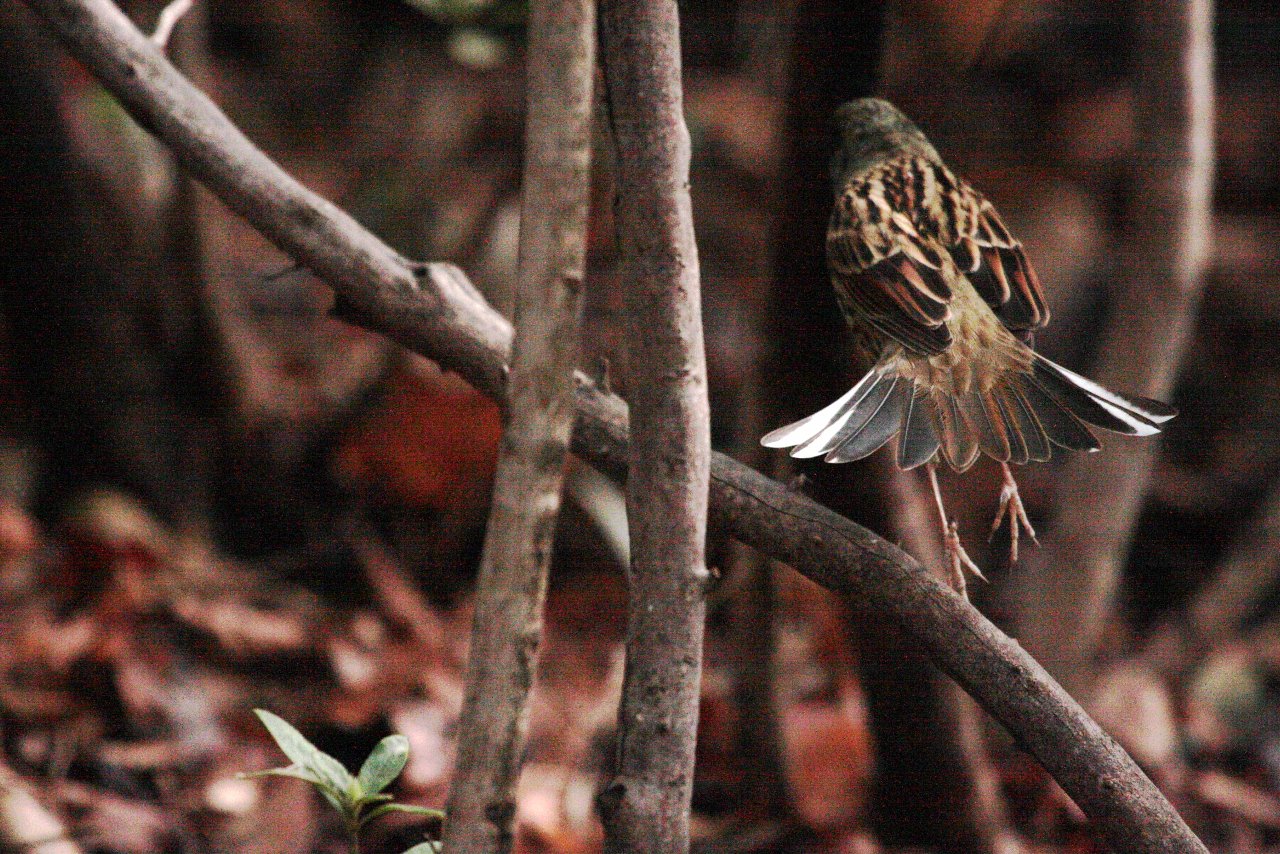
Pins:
<point x="358" y="798"/>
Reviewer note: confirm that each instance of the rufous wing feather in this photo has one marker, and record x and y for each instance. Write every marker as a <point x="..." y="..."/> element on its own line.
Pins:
<point x="982" y="247"/>
<point x="887" y="273"/>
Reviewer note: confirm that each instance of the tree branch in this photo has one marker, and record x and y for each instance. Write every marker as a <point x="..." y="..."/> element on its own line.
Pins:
<point x="646" y="806"/>
<point x="1074" y="579"/>
<point x="438" y="313"/>
<point x="947" y="793"/>
<point x="512" y="583"/>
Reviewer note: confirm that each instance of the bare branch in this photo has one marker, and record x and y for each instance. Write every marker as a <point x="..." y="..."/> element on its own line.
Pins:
<point x="169" y="18"/>
<point x="445" y="319"/>
<point x="512" y="583"/>
<point x="1073" y="580"/>
<point x="646" y="806"/>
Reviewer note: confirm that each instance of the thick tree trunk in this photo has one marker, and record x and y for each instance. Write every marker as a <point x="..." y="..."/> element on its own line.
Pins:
<point x="1074" y="579"/>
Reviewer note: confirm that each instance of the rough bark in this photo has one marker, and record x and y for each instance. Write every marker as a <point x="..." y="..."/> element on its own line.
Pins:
<point x="646" y="806"/>
<point x="1074" y="579"/>
<point x="433" y="310"/>
<point x="512" y="583"/>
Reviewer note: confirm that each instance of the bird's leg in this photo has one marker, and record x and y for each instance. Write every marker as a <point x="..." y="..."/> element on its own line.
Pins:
<point x="957" y="558"/>
<point x="1012" y="502"/>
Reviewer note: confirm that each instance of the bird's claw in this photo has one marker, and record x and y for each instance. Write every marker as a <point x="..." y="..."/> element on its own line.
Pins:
<point x="1011" y="503"/>
<point x="959" y="559"/>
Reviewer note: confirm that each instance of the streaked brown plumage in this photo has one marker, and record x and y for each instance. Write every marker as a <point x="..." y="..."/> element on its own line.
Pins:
<point x="944" y="301"/>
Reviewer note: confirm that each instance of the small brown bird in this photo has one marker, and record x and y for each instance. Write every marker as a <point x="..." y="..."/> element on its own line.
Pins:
<point x="943" y="301"/>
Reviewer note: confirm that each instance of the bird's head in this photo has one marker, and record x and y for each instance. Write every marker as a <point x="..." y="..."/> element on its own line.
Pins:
<point x="870" y="130"/>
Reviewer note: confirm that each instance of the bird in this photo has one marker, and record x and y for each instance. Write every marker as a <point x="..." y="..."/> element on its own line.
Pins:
<point x="943" y="303"/>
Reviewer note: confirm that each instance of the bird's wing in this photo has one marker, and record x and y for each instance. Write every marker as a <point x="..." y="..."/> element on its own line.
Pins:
<point x="981" y="246"/>
<point x="885" y="271"/>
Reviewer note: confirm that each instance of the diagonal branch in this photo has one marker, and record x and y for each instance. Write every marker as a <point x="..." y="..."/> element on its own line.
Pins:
<point x="435" y="311"/>
<point x="512" y="583"/>
<point x="646" y="806"/>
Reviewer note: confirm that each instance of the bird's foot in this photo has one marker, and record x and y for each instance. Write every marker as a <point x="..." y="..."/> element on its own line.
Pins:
<point x="958" y="559"/>
<point x="1011" y="503"/>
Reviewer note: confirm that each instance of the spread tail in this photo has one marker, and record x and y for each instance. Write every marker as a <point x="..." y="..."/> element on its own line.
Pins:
<point x="1019" y="419"/>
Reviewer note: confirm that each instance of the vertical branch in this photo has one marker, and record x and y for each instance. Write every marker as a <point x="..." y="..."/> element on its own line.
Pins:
<point x="646" y="807"/>
<point x="754" y="635"/>
<point x="527" y="484"/>
<point x="767" y="28"/>
<point x="937" y="786"/>
<point x="110" y="386"/>
<point x="1073" y="581"/>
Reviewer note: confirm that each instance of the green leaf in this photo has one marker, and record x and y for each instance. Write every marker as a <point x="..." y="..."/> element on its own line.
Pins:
<point x="291" y="742"/>
<point x="328" y="771"/>
<point x="384" y="764"/>
<point x="295" y="771"/>
<point x="339" y="803"/>
<point x="383" y="809"/>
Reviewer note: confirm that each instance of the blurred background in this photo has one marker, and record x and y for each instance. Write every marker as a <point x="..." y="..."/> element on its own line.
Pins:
<point x="214" y="496"/>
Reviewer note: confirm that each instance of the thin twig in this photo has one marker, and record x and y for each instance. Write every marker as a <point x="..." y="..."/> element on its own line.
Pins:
<point x="646" y="806"/>
<point x="169" y="18"/>
<point x="1073" y="580"/>
<point x="437" y="314"/>
<point x="512" y="583"/>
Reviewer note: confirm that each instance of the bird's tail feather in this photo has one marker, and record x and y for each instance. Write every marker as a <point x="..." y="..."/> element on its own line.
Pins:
<point x="875" y="423"/>
<point x="1019" y="419"/>
<point x="918" y="440"/>
<point x="823" y="423"/>
<point x="864" y="420"/>
<point x="1093" y="404"/>
<point x="856" y="425"/>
